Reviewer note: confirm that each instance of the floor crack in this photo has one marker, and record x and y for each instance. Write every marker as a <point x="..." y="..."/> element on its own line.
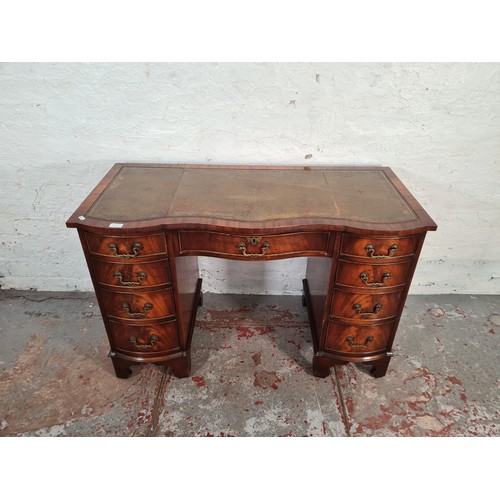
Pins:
<point x="321" y="411"/>
<point x="158" y="403"/>
<point x="9" y="296"/>
<point x="343" y="408"/>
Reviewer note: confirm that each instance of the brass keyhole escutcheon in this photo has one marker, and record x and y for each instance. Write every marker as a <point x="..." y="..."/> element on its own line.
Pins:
<point x="253" y="240"/>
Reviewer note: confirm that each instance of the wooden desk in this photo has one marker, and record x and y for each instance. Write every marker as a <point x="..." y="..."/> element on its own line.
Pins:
<point x="144" y="225"/>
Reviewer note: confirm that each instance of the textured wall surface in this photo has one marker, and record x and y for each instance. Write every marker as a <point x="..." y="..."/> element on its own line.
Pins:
<point x="62" y="126"/>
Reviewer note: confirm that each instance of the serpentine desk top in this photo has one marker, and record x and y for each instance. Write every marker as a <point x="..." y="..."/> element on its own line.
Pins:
<point x="134" y="196"/>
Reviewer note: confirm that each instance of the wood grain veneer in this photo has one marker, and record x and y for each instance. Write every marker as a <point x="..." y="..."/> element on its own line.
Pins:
<point x="143" y="226"/>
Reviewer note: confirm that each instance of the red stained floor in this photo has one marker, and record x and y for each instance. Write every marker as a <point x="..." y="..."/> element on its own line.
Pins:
<point x="251" y="373"/>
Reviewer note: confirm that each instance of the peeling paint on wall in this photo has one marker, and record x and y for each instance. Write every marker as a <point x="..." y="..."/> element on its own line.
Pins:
<point x="64" y="125"/>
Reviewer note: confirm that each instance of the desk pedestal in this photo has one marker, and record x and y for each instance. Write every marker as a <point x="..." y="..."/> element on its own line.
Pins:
<point x="148" y="289"/>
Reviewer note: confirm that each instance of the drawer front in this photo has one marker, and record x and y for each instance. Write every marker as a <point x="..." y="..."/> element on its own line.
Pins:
<point x="365" y="307"/>
<point x="145" y="340"/>
<point x="132" y="275"/>
<point x="139" y="306"/>
<point x="253" y="247"/>
<point x="372" y="276"/>
<point x="353" y="339"/>
<point x="126" y="247"/>
<point x="379" y="249"/>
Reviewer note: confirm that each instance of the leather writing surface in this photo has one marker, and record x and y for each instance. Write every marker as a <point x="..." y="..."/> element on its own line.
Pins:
<point x="137" y="193"/>
<point x="141" y="193"/>
<point x="367" y="196"/>
<point x="250" y="195"/>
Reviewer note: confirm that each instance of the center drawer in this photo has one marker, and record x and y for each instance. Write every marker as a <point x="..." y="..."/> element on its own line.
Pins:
<point x="253" y="247"/>
<point x="138" y="306"/>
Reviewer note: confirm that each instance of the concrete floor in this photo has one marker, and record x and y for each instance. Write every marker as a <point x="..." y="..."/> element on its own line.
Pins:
<point x="251" y="373"/>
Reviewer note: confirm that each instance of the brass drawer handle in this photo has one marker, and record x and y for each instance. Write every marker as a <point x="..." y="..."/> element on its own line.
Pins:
<point x="368" y="341"/>
<point x="153" y="341"/>
<point x="363" y="314"/>
<point x="140" y="276"/>
<point x="242" y="247"/>
<point x="370" y="252"/>
<point x="136" y="247"/>
<point x="365" y="277"/>
<point x="147" y="307"/>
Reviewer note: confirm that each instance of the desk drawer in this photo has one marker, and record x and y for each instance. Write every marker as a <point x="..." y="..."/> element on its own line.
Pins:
<point x="132" y="275"/>
<point x="372" y="276"/>
<point x="353" y="339"/>
<point x="378" y="249"/>
<point x="139" y="306"/>
<point x="145" y="340"/>
<point x="126" y="247"/>
<point x="255" y="246"/>
<point x="365" y="307"/>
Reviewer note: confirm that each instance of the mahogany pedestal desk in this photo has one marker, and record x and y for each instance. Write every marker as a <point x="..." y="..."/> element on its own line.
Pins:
<point x="144" y="226"/>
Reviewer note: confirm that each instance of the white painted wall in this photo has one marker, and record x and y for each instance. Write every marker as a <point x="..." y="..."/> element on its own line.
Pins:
<point x="437" y="125"/>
